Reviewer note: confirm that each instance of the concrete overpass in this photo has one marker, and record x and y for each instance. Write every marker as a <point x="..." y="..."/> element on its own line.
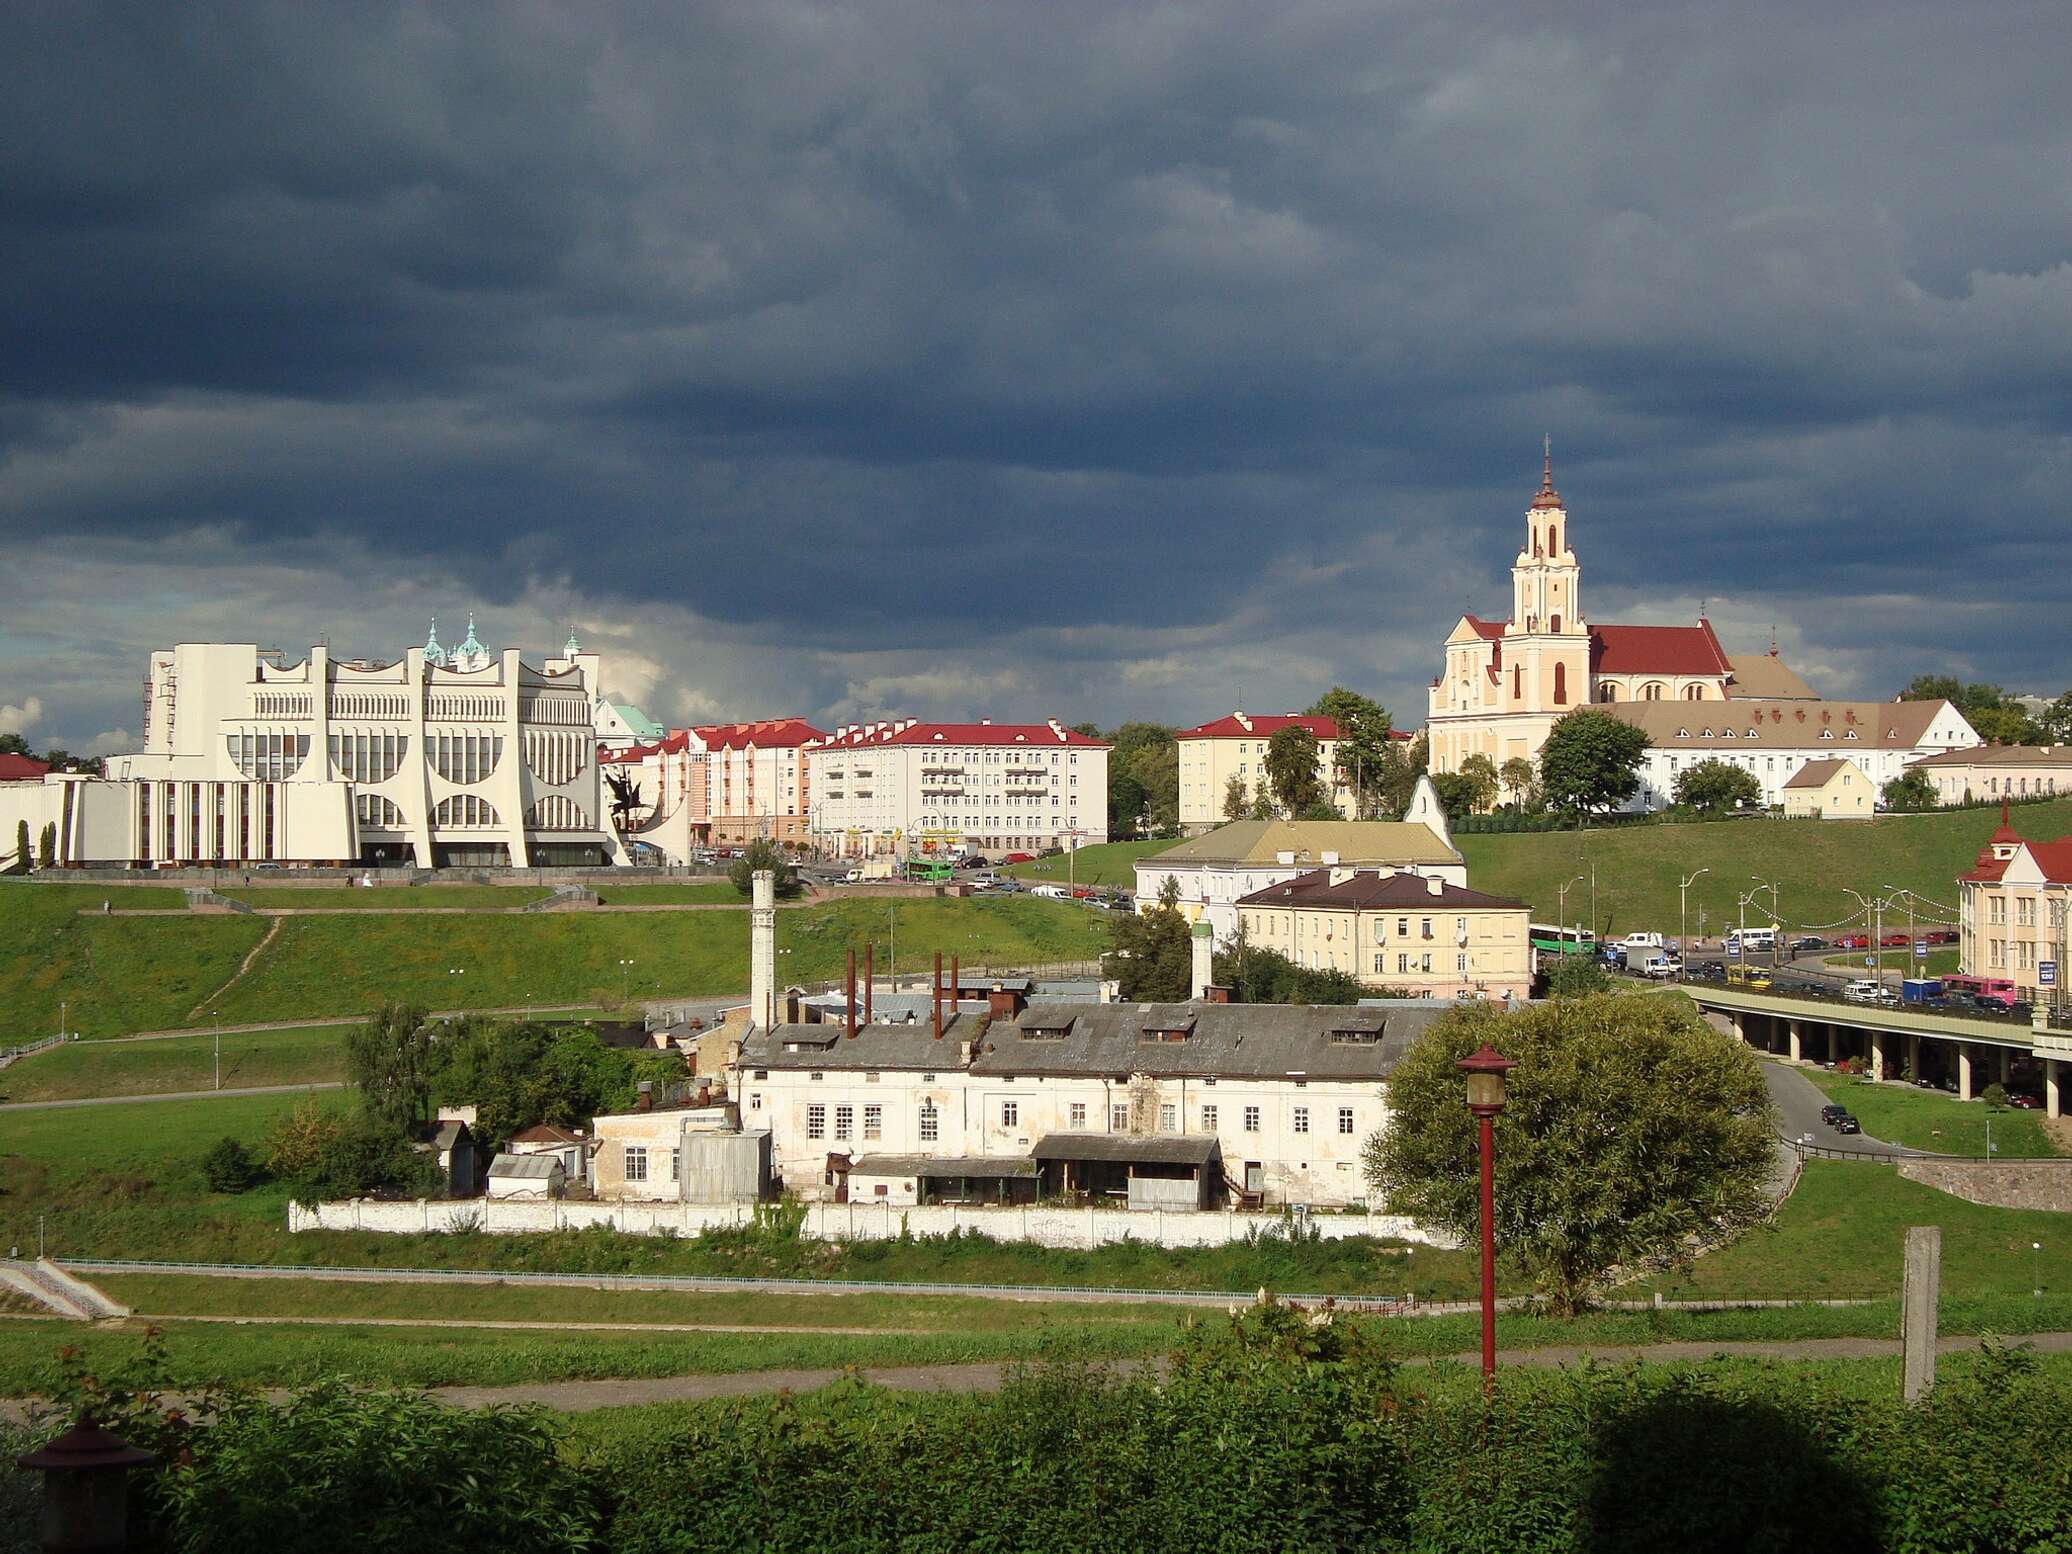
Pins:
<point x="1892" y="1041"/>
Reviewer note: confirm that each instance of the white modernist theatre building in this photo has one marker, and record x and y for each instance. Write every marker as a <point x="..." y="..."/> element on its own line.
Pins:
<point x="461" y="758"/>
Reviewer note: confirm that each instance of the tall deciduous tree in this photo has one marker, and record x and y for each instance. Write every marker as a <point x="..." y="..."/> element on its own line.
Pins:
<point x="1262" y="801"/>
<point x="762" y="853"/>
<point x="1712" y="787"/>
<point x="1519" y="779"/>
<point x="1153" y="958"/>
<point x="1362" y="753"/>
<point x="1483" y="785"/>
<point x="1294" y="765"/>
<point x="1631" y="1126"/>
<point x="1146" y="754"/>
<point x="390" y="1059"/>
<point x="1237" y="804"/>
<point x="1591" y="761"/>
<point x="1909" y="790"/>
<point x="1402" y="764"/>
<point x="2055" y="724"/>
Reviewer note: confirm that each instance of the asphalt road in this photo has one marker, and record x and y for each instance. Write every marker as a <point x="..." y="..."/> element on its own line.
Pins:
<point x="1798" y="1101"/>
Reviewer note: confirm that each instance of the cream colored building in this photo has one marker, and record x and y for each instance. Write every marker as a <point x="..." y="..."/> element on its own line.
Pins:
<point x="1997" y="772"/>
<point x="893" y="788"/>
<point x="1235" y="859"/>
<point x="672" y="776"/>
<point x="1214" y="754"/>
<point x="757" y="780"/>
<point x="1396" y="931"/>
<point x="1505" y="683"/>
<point x="1772" y="739"/>
<point x="639" y="1154"/>
<point x="1829" y="789"/>
<point x="1280" y="1099"/>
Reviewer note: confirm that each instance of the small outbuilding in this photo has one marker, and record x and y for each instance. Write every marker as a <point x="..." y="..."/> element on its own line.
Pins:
<point x="452" y="1148"/>
<point x="920" y="1179"/>
<point x="527" y="1176"/>
<point x="1154" y="1171"/>
<point x="1832" y="789"/>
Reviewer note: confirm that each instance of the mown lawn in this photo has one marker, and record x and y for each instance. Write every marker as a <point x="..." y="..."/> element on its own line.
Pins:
<point x="689" y="893"/>
<point x="1109" y="863"/>
<point x="1843" y="1232"/>
<point x="300" y="1055"/>
<point x="1933" y="1119"/>
<point x="1811" y="861"/>
<point x="388" y="898"/>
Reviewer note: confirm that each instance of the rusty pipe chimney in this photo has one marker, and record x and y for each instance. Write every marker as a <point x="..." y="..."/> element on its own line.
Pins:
<point x="935" y="995"/>
<point x="870" y="962"/>
<point x="849" y="1002"/>
<point x="956" y="982"/>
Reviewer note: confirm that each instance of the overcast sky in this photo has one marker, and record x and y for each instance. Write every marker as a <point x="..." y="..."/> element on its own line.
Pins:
<point x="1025" y="360"/>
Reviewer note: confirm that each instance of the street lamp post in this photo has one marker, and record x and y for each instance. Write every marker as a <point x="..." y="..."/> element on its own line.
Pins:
<point x="217" y="1016"/>
<point x="1776" y="918"/>
<point x="1682" y="887"/>
<point x="1485" y="1069"/>
<point x="625" y="980"/>
<point x="1906" y="955"/>
<point x="1561" y="910"/>
<point x="1591" y="865"/>
<point x="2036" y="1269"/>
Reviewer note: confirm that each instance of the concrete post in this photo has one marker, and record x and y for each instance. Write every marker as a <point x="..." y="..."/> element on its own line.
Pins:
<point x="1917" y="1311"/>
<point x="762" y="951"/>
<point x="2053" y="1105"/>
<point x="1878" y="1056"/>
<point x="1963" y="1070"/>
<point x="1792" y="1030"/>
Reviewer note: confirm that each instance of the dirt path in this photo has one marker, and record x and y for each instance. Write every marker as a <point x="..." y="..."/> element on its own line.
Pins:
<point x="272" y="932"/>
<point x="168" y="1095"/>
<point x="540" y="1326"/>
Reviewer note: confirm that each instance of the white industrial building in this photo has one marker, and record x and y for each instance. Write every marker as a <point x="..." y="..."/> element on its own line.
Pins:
<point x="465" y="758"/>
<point x="903" y="786"/>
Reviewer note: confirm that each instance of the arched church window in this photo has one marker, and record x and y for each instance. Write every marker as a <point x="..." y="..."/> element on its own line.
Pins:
<point x="1554" y="542"/>
<point x="1608" y="692"/>
<point x="1561" y="685"/>
<point x="1694" y="693"/>
<point x="1517" y="682"/>
<point x="1652" y="691"/>
<point x="1555" y="623"/>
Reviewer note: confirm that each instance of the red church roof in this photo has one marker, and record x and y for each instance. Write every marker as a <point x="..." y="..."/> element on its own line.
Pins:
<point x="1687" y="650"/>
<point x="22" y="768"/>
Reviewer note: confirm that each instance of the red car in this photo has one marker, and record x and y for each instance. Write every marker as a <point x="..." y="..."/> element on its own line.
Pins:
<point x="2027" y="1103"/>
<point x="1942" y="936"/>
<point x="1895" y="941"/>
<point x="1019" y="858"/>
<point x="1853" y="941"/>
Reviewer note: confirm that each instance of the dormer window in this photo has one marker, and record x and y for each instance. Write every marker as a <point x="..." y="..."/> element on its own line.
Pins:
<point x="1683" y="733"/>
<point x="1355" y="1037"/>
<point x="1827" y="733"/>
<point x="1175" y="1030"/>
<point x="1851" y="734"/>
<point x="1047" y="1030"/>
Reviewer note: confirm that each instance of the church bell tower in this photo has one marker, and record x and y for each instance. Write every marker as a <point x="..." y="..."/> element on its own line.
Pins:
<point x="1547" y="642"/>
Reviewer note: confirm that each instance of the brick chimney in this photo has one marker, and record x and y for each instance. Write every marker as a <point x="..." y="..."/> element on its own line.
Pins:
<point x="644" y="1096"/>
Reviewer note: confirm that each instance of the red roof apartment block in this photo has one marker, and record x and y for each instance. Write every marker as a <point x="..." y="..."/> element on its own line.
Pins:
<point x="763" y="734"/>
<point x="906" y="731"/>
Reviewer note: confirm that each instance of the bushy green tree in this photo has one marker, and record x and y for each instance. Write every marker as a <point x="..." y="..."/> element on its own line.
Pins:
<point x="1237" y="804"/>
<point x="1363" y="745"/>
<point x="1479" y="772"/>
<point x="1153" y="956"/>
<point x="47" y="846"/>
<point x="2055" y="724"/>
<point x="1262" y="802"/>
<point x="1631" y="1127"/>
<point x="1456" y="793"/>
<point x="1257" y="976"/>
<point x="1127" y="802"/>
<point x="762" y="853"/>
<point x="516" y="1074"/>
<point x="390" y="1060"/>
<point x="1715" y="787"/>
<point x="1520" y="780"/>
<point x="1403" y="762"/>
<point x="1572" y="976"/>
<point x="1908" y="791"/>
<point x="1590" y="762"/>
<point x="21" y="845"/>
<point x="364" y="1155"/>
<point x="230" y="1167"/>
<point x="1147" y="754"/>
<point x="1294" y="766"/>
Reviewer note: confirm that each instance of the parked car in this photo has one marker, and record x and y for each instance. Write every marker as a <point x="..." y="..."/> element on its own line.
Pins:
<point x="1862" y="991"/>
<point x="1019" y="858"/>
<point x="2027" y="1103"/>
<point x="1848" y="1124"/>
<point x="1833" y="1113"/>
<point x="1853" y="941"/>
<point x="1709" y="971"/>
<point x="1942" y="936"/>
<point x="974" y="861"/>
<point x="1809" y="941"/>
<point x="1895" y="941"/>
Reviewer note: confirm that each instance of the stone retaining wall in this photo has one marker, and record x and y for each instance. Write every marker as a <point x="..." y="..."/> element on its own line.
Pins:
<point x="2002" y="1184"/>
<point x="1059" y="1227"/>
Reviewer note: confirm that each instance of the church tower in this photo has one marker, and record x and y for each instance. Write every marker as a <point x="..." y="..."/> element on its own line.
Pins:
<point x="1547" y="641"/>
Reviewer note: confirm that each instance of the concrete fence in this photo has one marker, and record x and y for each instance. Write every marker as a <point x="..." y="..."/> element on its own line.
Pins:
<point x="2001" y="1184"/>
<point x="1059" y="1227"/>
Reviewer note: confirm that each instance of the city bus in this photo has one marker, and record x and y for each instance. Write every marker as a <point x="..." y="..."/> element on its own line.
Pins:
<point x="1549" y="940"/>
<point x="1987" y="990"/>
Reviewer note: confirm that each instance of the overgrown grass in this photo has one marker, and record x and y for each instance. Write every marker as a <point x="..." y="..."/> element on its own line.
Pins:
<point x="1935" y="1120"/>
<point x="299" y="1055"/>
<point x="1810" y="860"/>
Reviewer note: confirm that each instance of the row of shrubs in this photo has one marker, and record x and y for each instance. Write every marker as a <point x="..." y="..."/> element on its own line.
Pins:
<point x="1271" y="1429"/>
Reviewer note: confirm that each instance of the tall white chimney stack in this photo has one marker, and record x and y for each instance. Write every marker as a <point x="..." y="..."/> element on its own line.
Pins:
<point x="762" y="950"/>
<point x="1204" y="960"/>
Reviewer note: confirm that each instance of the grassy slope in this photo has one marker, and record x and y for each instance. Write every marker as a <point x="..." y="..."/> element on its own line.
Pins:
<point x="113" y="974"/>
<point x="300" y="1056"/>
<point x="1842" y="1233"/>
<point x="1110" y="863"/>
<point x="690" y="893"/>
<point x="1811" y="860"/>
<point x="1932" y="1119"/>
<point x="392" y="898"/>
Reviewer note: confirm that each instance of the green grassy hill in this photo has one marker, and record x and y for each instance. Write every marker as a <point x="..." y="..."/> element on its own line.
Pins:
<point x="1109" y="863"/>
<point x="118" y="974"/>
<point x="1811" y="861"/>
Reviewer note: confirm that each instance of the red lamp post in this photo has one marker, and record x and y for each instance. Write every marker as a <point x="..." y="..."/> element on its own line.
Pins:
<point x="1485" y="1069"/>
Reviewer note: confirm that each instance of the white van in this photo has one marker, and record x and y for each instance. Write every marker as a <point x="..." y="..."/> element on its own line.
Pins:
<point x="1051" y="892"/>
<point x="1862" y="991"/>
<point x="1643" y="941"/>
<point x="1746" y="939"/>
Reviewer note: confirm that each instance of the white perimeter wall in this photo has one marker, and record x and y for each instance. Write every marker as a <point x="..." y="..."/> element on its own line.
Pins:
<point x="842" y="1221"/>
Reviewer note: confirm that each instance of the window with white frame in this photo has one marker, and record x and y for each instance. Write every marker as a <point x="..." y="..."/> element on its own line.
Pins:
<point x="1168" y="1118"/>
<point x="816" y="1122"/>
<point x="1010" y="1113"/>
<point x="1079" y="1114"/>
<point x="1208" y="1119"/>
<point x="1345" y="1119"/>
<point x="1301" y="1123"/>
<point x="636" y="1162"/>
<point x="1251" y="1119"/>
<point x="1118" y="1118"/>
<point x="676" y="1165"/>
<point x="931" y="1122"/>
<point x="873" y="1122"/>
<point x="845" y="1120"/>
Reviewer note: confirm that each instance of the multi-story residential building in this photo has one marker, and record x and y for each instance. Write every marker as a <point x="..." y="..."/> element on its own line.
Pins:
<point x="672" y="779"/>
<point x="436" y="758"/>
<point x="2011" y="912"/>
<point x="757" y="783"/>
<point x="1997" y="772"/>
<point x="1213" y="1101"/>
<point x="994" y="787"/>
<point x="1506" y="682"/>
<point x="1774" y="739"/>
<point x="1395" y="930"/>
<point x="1233" y="749"/>
<point x="1212" y="872"/>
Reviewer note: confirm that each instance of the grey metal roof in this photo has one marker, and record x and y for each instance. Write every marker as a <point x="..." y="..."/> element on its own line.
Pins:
<point x="1130" y="1148"/>
<point x="875" y="1046"/>
<point x="893" y="1008"/>
<point x="938" y="1166"/>
<point x="542" y="1166"/>
<point x="1234" y="1041"/>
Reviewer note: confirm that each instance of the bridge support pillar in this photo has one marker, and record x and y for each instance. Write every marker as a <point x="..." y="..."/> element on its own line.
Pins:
<point x="2053" y="1105"/>
<point x="1740" y="1032"/>
<point x="1834" y="1044"/>
<point x="1914" y="1055"/>
<point x="2006" y="1065"/>
<point x="1791" y="1031"/>
<point x="1878" y="1056"/>
<point x="1963" y="1070"/>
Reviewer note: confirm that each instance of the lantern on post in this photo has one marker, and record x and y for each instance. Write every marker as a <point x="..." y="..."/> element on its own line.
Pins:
<point x="1485" y="1069"/>
<point x="86" y="1487"/>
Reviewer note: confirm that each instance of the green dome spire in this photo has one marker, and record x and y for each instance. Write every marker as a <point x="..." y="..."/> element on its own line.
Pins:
<point x="433" y="653"/>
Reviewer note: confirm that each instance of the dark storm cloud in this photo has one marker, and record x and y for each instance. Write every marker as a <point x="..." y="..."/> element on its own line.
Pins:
<point x="1115" y="358"/>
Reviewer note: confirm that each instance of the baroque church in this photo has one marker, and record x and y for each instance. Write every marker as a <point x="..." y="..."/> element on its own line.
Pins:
<point x="1506" y="682"/>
